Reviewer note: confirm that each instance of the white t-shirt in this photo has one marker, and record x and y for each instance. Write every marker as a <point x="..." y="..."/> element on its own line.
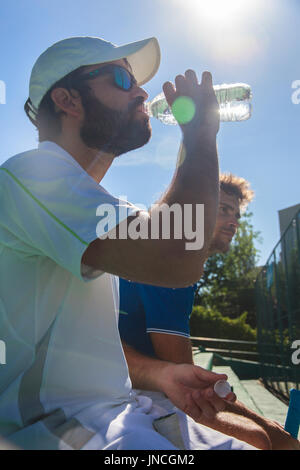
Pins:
<point x="58" y="321"/>
<point x="65" y="381"/>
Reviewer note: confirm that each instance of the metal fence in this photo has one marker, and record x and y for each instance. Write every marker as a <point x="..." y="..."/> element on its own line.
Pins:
<point x="277" y="292"/>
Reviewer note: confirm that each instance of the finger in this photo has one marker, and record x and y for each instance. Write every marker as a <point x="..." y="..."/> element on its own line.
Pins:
<point x="180" y="83"/>
<point x="169" y="91"/>
<point x="216" y="402"/>
<point x="209" y="376"/>
<point x="192" y="408"/>
<point x="191" y="76"/>
<point x="206" y="79"/>
<point x="231" y="397"/>
<point x="204" y="405"/>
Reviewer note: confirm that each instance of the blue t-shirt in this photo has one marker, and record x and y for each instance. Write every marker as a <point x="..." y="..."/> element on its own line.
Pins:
<point x="145" y="309"/>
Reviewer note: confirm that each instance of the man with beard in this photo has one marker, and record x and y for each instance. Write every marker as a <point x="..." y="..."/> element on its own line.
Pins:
<point x="66" y="382"/>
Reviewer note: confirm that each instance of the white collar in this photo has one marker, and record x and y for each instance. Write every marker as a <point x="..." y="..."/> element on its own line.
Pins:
<point x="53" y="147"/>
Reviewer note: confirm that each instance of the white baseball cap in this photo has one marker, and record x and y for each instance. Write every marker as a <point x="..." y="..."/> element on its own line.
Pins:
<point x="69" y="54"/>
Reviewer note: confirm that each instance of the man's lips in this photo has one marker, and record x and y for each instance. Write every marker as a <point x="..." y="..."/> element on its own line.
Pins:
<point x="138" y="106"/>
<point x="142" y="109"/>
<point x="228" y="233"/>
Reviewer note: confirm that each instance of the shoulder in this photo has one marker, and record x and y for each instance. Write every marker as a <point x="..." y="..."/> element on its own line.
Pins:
<point x="18" y="160"/>
<point x="42" y="172"/>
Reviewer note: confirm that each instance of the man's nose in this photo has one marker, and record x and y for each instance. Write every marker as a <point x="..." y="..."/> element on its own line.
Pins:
<point x="139" y="91"/>
<point x="233" y="223"/>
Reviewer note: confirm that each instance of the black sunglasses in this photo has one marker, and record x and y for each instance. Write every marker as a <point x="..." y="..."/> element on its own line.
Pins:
<point x="123" y="79"/>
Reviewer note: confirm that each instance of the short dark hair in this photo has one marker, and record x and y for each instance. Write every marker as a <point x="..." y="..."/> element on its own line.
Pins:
<point x="47" y="119"/>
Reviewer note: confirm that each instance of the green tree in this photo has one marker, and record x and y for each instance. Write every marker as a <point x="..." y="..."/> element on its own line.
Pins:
<point x="228" y="281"/>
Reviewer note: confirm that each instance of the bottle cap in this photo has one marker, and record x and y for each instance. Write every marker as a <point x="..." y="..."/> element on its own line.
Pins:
<point x="222" y="388"/>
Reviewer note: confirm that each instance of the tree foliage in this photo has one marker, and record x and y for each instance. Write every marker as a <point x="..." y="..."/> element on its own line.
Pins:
<point x="210" y="323"/>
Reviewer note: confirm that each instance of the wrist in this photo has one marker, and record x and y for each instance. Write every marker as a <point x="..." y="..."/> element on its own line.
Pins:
<point x="161" y="376"/>
<point x="146" y="373"/>
<point x="152" y="375"/>
<point x="206" y="137"/>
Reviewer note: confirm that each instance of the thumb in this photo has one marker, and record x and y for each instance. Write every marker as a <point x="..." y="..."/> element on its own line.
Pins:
<point x="170" y="93"/>
<point x="208" y="375"/>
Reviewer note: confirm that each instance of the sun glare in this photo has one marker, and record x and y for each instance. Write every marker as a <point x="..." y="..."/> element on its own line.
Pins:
<point x="223" y="11"/>
<point x="227" y="29"/>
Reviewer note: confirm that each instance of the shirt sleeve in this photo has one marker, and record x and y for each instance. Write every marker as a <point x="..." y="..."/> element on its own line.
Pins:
<point x="55" y="210"/>
<point x="167" y="310"/>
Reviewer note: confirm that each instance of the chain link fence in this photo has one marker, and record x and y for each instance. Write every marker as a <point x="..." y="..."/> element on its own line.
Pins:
<point x="277" y="291"/>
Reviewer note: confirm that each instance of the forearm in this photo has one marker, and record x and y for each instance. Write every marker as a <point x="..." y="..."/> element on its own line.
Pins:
<point x="196" y="178"/>
<point x="172" y="348"/>
<point x="240" y="409"/>
<point x="196" y="175"/>
<point x="195" y="182"/>
<point x="145" y="372"/>
<point x="240" y="427"/>
<point x="278" y="437"/>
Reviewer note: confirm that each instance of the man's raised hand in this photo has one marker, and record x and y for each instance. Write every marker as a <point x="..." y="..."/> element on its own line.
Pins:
<point x="194" y="105"/>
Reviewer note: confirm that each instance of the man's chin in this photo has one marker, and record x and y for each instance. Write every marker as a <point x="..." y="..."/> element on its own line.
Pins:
<point x="140" y="137"/>
<point x="133" y="139"/>
<point x="219" y="247"/>
<point x="132" y="146"/>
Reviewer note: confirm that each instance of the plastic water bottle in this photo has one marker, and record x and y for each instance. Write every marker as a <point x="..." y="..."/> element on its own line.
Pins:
<point x="234" y="104"/>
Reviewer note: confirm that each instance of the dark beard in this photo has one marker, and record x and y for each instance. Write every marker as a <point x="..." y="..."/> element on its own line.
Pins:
<point x="111" y="131"/>
<point x="218" y="246"/>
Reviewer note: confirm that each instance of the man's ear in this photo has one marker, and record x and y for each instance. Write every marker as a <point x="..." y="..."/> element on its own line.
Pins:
<point x="67" y="101"/>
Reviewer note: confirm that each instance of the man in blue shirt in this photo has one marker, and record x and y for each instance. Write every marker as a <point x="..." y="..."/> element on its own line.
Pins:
<point x="147" y="310"/>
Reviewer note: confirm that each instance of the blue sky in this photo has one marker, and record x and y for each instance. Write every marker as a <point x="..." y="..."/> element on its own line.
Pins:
<point x="251" y="41"/>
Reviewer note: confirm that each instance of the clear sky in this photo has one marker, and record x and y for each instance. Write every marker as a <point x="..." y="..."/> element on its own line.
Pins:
<point x="251" y="41"/>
